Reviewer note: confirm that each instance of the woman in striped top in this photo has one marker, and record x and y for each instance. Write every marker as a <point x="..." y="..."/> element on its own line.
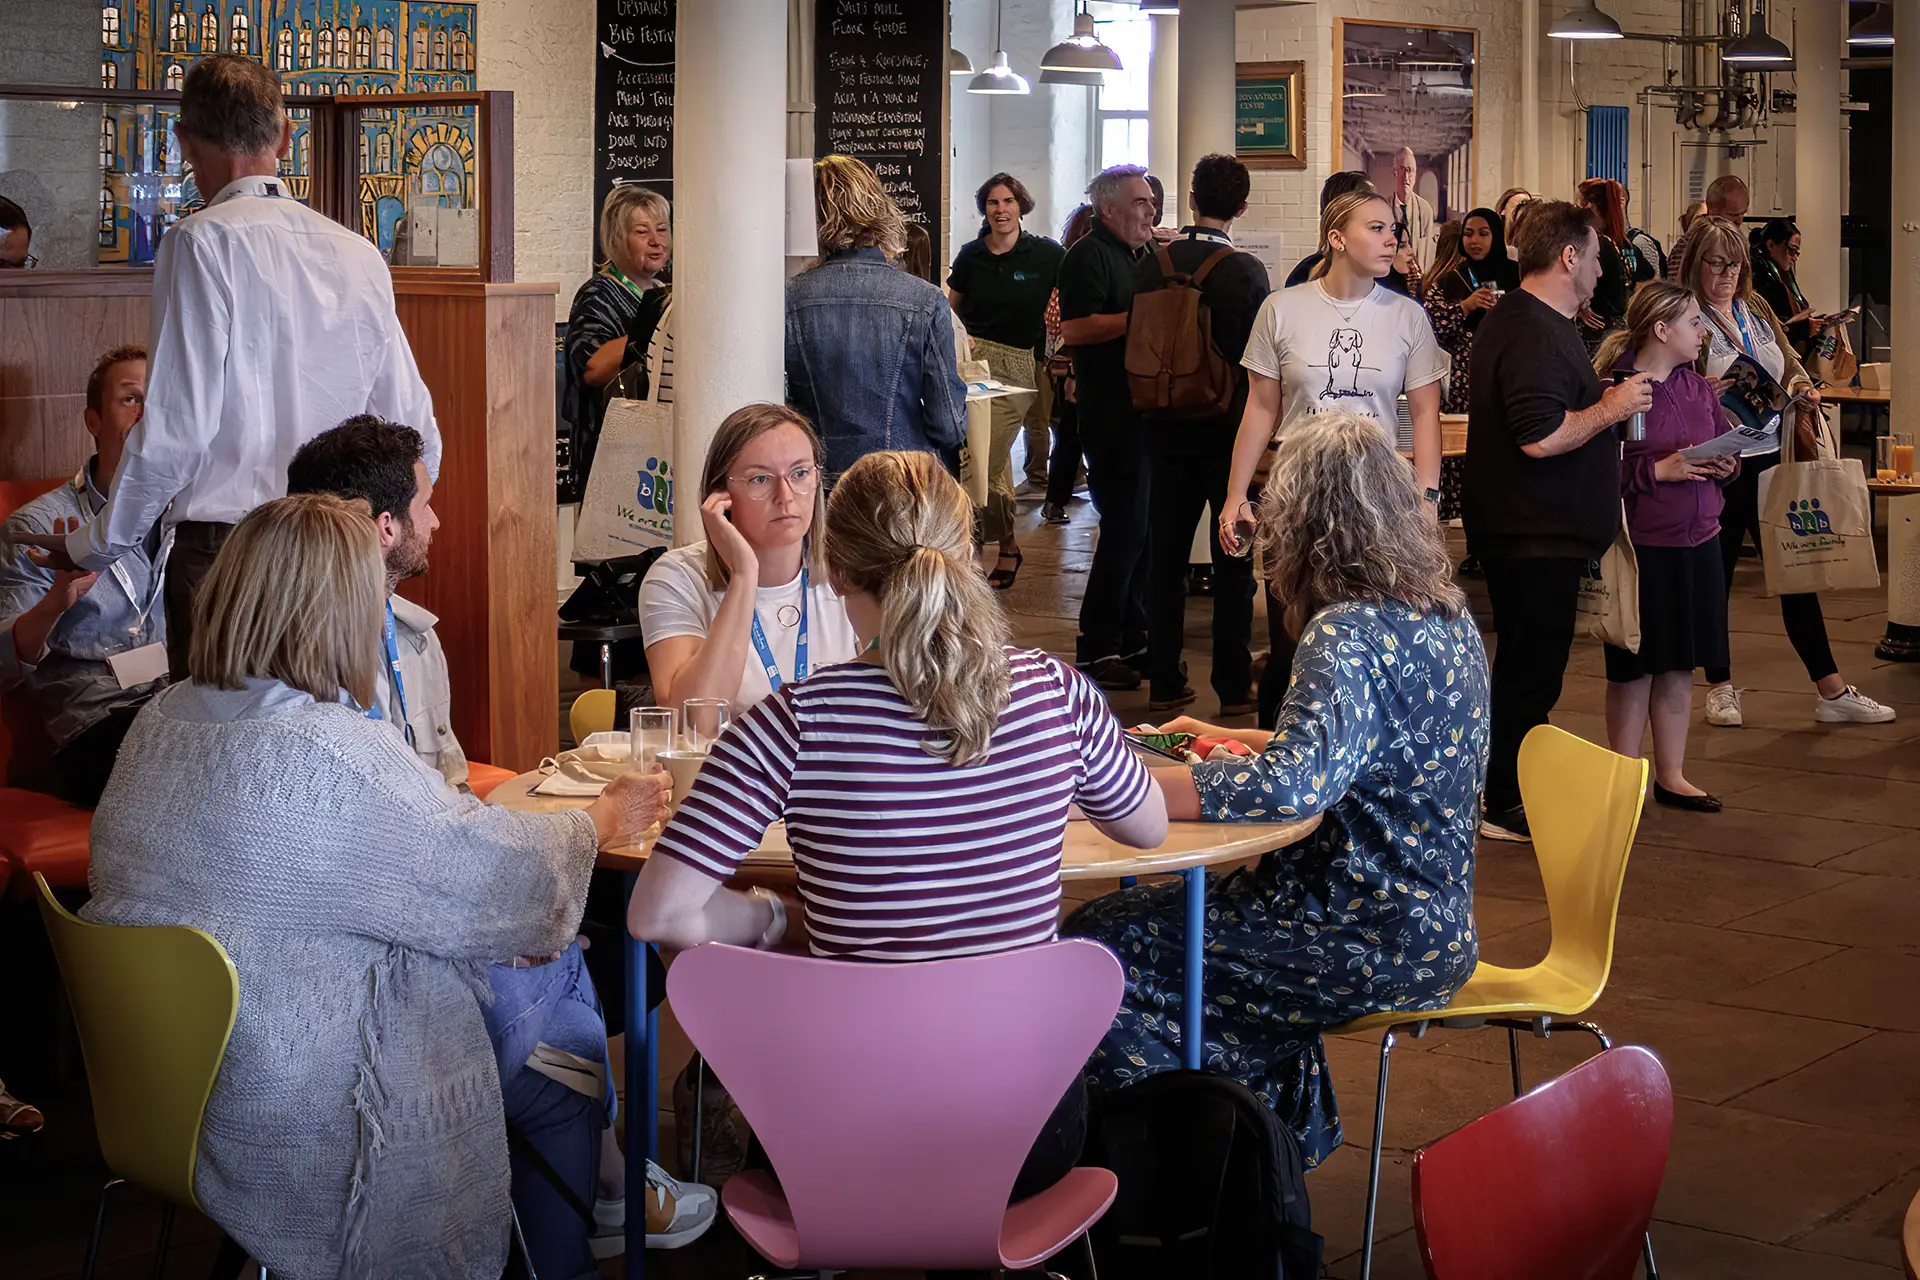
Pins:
<point x="926" y="786"/>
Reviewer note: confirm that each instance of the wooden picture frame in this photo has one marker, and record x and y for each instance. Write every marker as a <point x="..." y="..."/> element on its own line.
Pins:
<point x="1361" y="53"/>
<point x="1270" y="124"/>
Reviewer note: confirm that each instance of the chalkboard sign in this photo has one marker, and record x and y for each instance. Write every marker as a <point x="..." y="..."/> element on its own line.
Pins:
<point x="633" y="99"/>
<point x="879" y="85"/>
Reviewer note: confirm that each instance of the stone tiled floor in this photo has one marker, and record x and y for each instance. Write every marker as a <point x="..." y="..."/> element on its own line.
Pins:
<point x="1768" y="954"/>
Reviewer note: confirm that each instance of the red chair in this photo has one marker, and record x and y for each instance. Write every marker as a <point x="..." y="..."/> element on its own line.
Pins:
<point x="483" y="778"/>
<point x="38" y="832"/>
<point x="1557" y="1185"/>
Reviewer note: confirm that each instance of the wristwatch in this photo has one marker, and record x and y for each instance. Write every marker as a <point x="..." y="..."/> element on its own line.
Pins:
<point x="776" y="928"/>
<point x="1431" y="495"/>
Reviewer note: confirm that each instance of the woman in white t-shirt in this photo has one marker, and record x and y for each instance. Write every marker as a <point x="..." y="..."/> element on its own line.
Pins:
<point x="763" y="509"/>
<point x="1341" y="341"/>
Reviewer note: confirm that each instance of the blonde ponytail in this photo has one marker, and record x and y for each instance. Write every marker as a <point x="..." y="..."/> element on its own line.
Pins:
<point x="1339" y="212"/>
<point x="901" y="530"/>
<point x="1653" y="304"/>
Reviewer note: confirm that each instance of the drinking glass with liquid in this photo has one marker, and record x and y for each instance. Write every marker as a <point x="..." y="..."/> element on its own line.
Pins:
<point x="653" y="730"/>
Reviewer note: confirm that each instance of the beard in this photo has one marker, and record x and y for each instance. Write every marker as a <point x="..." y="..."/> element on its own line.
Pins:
<point x="406" y="558"/>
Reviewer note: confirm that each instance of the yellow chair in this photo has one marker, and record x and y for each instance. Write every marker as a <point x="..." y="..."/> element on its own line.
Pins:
<point x="1583" y="805"/>
<point x="154" y="1008"/>
<point x="592" y="712"/>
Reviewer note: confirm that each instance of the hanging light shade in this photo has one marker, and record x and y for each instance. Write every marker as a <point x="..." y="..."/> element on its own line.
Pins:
<point x="1756" y="48"/>
<point x="1875" y="31"/>
<point x="1091" y="79"/>
<point x="998" y="77"/>
<point x="1171" y="8"/>
<point x="1081" y="51"/>
<point x="958" y="63"/>
<point x="1585" y="22"/>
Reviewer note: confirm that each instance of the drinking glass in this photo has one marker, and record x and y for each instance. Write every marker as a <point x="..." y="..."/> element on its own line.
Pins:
<point x="653" y="730"/>
<point x="1903" y="454"/>
<point x="1883" y="468"/>
<point x="706" y="719"/>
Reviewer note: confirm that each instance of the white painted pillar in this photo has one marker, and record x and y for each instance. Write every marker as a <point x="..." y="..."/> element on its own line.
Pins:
<point x="730" y="102"/>
<point x="1206" y="92"/>
<point x="1163" y="116"/>
<point x="1819" y="44"/>
<point x="1528" y="170"/>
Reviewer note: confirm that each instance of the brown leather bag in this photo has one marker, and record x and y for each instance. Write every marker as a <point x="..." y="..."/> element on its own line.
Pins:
<point x="1174" y="369"/>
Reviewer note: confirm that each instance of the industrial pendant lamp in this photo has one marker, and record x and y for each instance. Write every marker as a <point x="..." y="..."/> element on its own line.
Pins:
<point x="1587" y="22"/>
<point x="998" y="77"/>
<point x="1756" y="48"/>
<point x="958" y="63"/>
<point x="1875" y="31"/>
<point x="1081" y="51"/>
<point x="1090" y="79"/>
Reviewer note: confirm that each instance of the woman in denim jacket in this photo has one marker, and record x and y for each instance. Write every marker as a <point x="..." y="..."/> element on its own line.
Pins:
<point x="870" y="347"/>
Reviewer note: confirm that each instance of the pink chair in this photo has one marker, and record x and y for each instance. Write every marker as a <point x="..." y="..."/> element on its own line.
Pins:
<point x="1560" y="1183"/>
<point x="898" y="1101"/>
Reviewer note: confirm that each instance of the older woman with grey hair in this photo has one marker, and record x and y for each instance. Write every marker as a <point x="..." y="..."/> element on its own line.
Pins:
<point x="355" y="1129"/>
<point x="1383" y="735"/>
<point x="616" y="310"/>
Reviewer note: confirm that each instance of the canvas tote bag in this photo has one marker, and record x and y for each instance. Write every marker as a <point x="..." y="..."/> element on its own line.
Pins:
<point x="1609" y="607"/>
<point x="1816" y="522"/>
<point x="628" y="507"/>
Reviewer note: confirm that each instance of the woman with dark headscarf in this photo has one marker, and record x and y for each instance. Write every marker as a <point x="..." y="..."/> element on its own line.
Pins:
<point x="1460" y="299"/>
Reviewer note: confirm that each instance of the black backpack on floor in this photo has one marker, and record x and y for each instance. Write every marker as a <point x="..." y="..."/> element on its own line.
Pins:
<point x="1211" y="1184"/>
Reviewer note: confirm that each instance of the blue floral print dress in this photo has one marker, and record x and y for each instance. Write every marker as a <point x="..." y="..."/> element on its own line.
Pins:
<point x="1384" y="731"/>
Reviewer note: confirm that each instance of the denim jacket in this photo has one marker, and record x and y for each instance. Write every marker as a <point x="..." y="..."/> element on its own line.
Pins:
<point x="71" y="687"/>
<point x="870" y="359"/>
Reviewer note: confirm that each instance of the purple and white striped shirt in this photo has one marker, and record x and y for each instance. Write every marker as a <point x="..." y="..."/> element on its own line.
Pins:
<point x="900" y="855"/>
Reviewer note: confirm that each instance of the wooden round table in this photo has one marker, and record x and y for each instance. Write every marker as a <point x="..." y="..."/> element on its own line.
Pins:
<point x="1190" y="847"/>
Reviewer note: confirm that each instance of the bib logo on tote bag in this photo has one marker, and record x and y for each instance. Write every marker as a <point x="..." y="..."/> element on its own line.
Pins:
<point x="1808" y="520"/>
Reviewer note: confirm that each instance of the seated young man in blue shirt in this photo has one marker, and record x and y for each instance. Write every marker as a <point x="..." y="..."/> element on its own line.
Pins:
<point x="88" y="648"/>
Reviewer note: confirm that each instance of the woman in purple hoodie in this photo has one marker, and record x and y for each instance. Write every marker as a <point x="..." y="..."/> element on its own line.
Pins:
<point x="1673" y="516"/>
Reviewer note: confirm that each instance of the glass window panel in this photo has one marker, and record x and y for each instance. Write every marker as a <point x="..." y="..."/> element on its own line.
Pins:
<point x="1130" y="36"/>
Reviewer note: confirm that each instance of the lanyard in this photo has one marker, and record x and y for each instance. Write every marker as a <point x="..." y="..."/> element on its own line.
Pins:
<point x="125" y="579"/>
<point x="765" y="651"/>
<point x="627" y="281"/>
<point x="399" y="686"/>
<point x="1740" y="318"/>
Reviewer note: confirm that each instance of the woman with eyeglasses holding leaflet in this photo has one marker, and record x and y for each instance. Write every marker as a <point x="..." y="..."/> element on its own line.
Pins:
<point x="764" y="509"/>
<point x="1739" y="322"/>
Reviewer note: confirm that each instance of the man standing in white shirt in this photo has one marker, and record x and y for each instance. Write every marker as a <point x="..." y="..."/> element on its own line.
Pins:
<point x="271" y="323"/>
<point x="1412" y="215"/>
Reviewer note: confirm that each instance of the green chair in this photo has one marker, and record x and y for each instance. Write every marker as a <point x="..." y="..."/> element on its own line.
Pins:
<point x="154" y="1008"/>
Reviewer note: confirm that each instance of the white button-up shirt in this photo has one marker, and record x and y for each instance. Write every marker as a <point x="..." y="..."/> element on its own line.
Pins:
<point x="271" y="324"/>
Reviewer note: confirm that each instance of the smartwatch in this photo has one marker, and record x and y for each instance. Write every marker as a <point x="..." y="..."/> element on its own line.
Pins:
<point x="1431" y="495"/>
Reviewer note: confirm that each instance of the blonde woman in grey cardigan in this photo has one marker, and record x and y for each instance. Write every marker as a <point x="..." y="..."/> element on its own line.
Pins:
<point x="356" y="1126"/>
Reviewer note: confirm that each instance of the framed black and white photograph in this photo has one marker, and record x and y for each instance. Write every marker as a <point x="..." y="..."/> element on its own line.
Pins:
<point x="1405" y="114"/>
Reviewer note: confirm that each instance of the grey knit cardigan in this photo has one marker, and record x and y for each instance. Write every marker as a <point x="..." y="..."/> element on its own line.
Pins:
<point x="356" y="1127"/>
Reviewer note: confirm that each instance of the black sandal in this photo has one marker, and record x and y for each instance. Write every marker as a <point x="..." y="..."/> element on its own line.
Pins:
<point x="1001" y="579"/>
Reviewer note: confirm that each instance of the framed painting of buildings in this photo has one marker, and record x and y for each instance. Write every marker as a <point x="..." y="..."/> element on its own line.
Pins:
<point x="1400" y="90"/>
<point x="407" y="153"/>
<point x="1270" y="125"/>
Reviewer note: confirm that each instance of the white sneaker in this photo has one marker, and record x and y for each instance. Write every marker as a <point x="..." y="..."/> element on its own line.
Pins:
<point x="678" y="1213"/>
<point x="1723" y="706"/>
<point x="1851" y="707"/>
<point x="609" y="1238"/>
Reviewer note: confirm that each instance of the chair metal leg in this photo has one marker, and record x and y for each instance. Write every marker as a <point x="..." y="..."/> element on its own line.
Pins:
<point x="699" y="1109"/>
<point x="166" y="1238"/>
<point x="1086" y="1242"/>
<point x="1373" y="1162"/>
<point x="99" y="1227"/>
<point x="520" y="1239"/>
<point x="1513" y="1059"/>
<point x="606" y="664"/>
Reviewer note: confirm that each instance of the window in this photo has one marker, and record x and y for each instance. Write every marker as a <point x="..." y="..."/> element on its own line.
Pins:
<point x="110" y="25"/>
<point x="386" y="48"/>
<point x="210" y="31"/>
<point x="363" y="48"/>
<point x="306" y="49"/>
<point x="386" y="88"/>
<point x="366" y="154"/>
<point x="1121" y="109"/>
<point x="441" y="174"/>
<point x="175" y="74"/>
<point x="107" y="230"/>
<point x="439" y="51"/>
<point x="462" y="52"/>
<point x="109" y="75"/>
<point x="324" y="58"/>
<point x="383" y="148"/>
<point x="108" y="136"/>
<point x="343" y="46"/>
<point x="177" y="29"/>
<point x="283" y="48"/>
<point x="419" y="59"/>
<point x="239" y="33"/>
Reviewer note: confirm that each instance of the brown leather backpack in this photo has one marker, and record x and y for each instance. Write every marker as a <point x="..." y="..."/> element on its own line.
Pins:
<point x="1174" y="369"/>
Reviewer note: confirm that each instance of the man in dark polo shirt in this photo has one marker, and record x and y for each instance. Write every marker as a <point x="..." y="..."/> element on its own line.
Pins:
<point x="1541" y="496"/>
<point x="1191" y="457"/>
<point x="1096" y="297"/>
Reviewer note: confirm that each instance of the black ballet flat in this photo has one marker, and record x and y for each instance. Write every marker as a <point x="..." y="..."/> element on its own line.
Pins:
<point x="1695" y="804"/>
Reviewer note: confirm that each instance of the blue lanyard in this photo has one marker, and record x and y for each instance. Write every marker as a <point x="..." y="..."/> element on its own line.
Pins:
<point x="765" y="650"/>
<point x="1740" y="318"/>
<point x="399" y="686"/>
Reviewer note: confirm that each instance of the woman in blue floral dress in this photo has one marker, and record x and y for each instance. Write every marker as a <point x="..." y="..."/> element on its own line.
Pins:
<point x="1383" y="734"/>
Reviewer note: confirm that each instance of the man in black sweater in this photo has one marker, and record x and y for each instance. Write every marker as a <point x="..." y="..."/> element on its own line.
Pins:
<point x="1542" y="488"/>
<point x="1191" y="458"/>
